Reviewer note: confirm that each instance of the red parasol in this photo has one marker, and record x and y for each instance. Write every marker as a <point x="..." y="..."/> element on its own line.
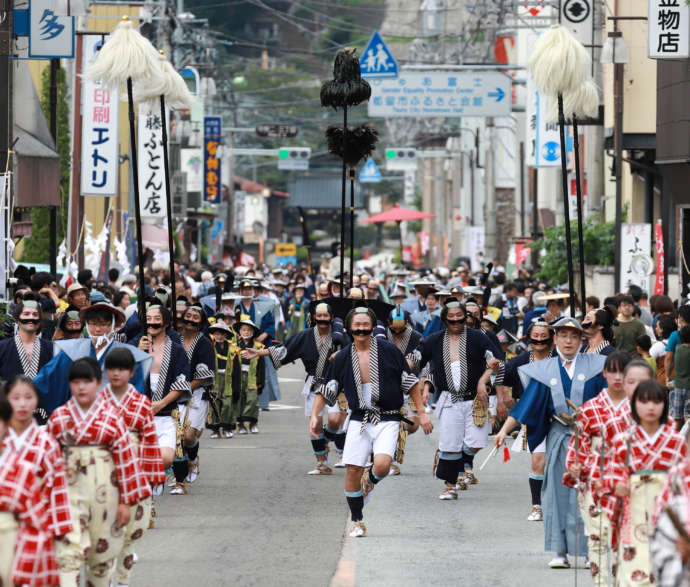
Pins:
<point x="398" y="214"/>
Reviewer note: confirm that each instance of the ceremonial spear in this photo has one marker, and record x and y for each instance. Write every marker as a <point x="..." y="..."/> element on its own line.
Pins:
<point x="124" y="58"/>
<point x="560" y="67"/>
<point x="347" y="88"/>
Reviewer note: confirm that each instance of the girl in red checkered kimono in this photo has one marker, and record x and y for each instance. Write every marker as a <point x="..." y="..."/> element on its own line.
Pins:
<point x="27" y="554"/>
<point x="586" y="456"/>
<point x="641" y="457"/>
<point x="33" y="444"/>
<point x="136" y="411"/>
<point x="103" y="476"/>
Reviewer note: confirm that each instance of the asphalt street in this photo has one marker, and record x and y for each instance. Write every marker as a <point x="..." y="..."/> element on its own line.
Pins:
<point x="255" y="518"/>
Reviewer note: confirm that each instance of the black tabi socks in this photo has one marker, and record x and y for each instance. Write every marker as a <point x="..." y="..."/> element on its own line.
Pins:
<point x="447" y="470"/>
<point x="192" y="451"/>
<point x="319" y="445"/>
<point x="340" y="440"/>
<point x="535" y="489"/>
<point x="356" y="504"/>
<point x="180" y="469"/>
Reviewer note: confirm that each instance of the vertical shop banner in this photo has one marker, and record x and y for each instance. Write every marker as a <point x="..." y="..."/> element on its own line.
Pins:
<point x="636" y="261"/>
<point x="151" y="166"/>
<point x="668" y="29"/>
<point x="212" y="184"/>
<point x="99" y="131"/>
<point x="659" y="282"/>
<point x="475" y="247"/>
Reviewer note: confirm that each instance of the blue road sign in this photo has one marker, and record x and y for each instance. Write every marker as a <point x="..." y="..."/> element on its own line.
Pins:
<point x="439" y="94"/>
<point x="377" y="61"/>
<point x="370" y="173"/>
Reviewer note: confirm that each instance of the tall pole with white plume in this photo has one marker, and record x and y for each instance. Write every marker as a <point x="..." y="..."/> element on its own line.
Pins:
<point x="127" y="57"/>
<point x="172" y="92"/>
<point x="560" y="66"/>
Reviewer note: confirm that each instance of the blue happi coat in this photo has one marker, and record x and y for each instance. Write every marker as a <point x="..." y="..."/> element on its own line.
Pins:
<point x="547" y="385"/>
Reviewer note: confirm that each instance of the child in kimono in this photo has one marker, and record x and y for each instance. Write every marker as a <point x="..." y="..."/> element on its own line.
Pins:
<point x="641" y="456"/>
<point x="587" y="454"/>
<point x="228" y="372"/>
<point x="103" y="475"/>
<point x="252" y="378"/>
<point x="27" y="555"/>
<point x="670" y="550"/>
<point x="135" y="409"/>
<point x="33" y="444"/>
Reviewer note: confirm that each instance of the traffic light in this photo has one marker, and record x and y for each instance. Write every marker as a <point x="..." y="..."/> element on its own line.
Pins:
<point x="401" y="158"/>
<point x="294" y="158"/>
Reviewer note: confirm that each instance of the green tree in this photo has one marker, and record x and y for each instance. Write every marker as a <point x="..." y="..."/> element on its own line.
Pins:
<point x="36" y="247"/>
<point x="598" y="236"/>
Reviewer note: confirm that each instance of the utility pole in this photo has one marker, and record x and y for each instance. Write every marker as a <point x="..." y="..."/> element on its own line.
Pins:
<point x="6" y="130"/>
<point x="6" y="116"/>
<point x="490" y="208"/>
<point x="52" y="247"/>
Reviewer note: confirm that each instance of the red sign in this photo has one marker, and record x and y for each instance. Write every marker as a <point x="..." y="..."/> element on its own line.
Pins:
<point x="407" y="254"/>
<point x="659" y="282"/>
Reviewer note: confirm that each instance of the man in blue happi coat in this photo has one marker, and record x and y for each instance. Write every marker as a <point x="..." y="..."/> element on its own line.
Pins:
<point x="542" y="407"/>
<point x="102" y="322"/>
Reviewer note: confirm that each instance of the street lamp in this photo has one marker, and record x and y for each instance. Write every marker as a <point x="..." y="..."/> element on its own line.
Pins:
<point x="615" y="52"/>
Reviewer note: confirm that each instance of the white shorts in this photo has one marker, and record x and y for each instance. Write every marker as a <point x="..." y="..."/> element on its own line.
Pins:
<point x="456" y="426"/>
<point x="519" y="442"/>
<point x="198" y="410"/>
<point x="309" y="396"/>
<point x="381" y="438"/>
<point x="166" y="431"/>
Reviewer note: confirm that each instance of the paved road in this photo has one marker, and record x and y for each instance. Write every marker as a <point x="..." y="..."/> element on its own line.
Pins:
<point x="255" y="518"/>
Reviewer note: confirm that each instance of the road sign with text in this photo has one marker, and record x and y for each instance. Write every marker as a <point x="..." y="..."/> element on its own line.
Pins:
<point x="441" y="94"/>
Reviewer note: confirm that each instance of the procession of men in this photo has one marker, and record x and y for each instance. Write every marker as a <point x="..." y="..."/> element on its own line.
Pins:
<point x="491" y="366"/>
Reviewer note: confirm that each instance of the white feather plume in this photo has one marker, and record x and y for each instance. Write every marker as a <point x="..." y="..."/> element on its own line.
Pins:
<point x="583" y="102"/>
<point x="149" y="91"/>
<point x="178" y="95"/>
<point x="171" y="85"/>
<point x="125" y="54"/>
<point x="559" y="63"/>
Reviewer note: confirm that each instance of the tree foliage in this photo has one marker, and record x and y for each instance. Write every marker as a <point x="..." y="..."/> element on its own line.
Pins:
<point x="599" y="239"/>
<point x="37" y="247"/>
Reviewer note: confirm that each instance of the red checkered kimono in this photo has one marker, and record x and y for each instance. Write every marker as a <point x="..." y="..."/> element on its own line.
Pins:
<point x="136" y="411"/>
<point x="677" y="482"/>
<point x="592" y="420"/>
<point x="102" y="426"/>
<point x="40" y="449"/>
<point x="20" y="494"/>
<point x="660" y="454"/>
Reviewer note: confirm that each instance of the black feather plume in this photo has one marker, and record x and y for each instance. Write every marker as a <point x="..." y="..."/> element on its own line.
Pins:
<point x="347" y="88"/>
<point x="359" y="143"/>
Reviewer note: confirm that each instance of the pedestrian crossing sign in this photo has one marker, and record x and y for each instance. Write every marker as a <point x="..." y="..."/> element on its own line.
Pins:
<point x="370" y="173"/>
<point x="377" y="61"/>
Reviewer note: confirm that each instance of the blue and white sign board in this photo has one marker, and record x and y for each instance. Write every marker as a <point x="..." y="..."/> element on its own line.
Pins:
<point x="438" y="94"/>
<point x="377" y="61"/>
<point x="544" y="140"/>
<point x="50" y="35"/>
<point x="370" y="173"/>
